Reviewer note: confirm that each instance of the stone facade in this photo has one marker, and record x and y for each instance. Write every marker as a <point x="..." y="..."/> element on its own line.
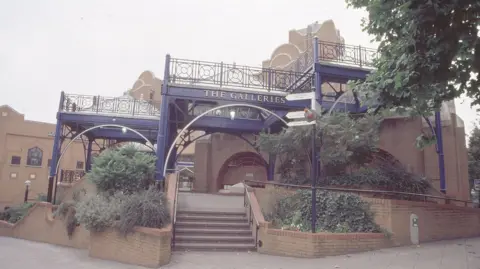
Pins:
<point x="25" y="153"/>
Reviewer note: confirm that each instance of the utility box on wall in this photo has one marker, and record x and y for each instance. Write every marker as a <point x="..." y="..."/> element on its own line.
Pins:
<point x="414" y="229"/>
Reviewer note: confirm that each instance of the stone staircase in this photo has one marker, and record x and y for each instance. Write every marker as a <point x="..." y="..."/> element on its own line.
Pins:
<point x="215" y="223"/>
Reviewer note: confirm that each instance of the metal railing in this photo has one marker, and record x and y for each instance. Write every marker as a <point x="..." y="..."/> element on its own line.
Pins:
<point x="109" y="105"/>
<point x="222" y="75"/>
<point x="304" y="62"/>
<point x="71" y="176"/>
<point x="251" y="215"/>
<point x="346" y="54"/>
<point x="291" y="78"/>
<point x="383" y="194"/>
<point x="175" y="202"/>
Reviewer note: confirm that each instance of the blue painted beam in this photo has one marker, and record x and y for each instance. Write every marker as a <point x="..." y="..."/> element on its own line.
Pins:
<point x="92" y="119"/>
<point x="264" y="99"/>
<point x="340" y="73"/>
<point x="271" y="119"/>
<point x="228" y="125"/>
<point x="119" y="135"/>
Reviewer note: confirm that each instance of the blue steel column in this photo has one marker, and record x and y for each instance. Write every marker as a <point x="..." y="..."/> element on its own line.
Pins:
<point x="271" y="167"/>
<point x="441" y="160"/>
<point x="162" y="138"/>
<point x="55" y="150"/>
<point x="88" y="161"/>
<point x="318" y="98"/>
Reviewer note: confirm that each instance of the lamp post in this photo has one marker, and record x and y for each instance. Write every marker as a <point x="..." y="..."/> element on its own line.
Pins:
<point x="27" y="187"/>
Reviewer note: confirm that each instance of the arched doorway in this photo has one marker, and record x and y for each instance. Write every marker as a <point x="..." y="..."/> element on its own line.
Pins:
<point x="242" y="166"/>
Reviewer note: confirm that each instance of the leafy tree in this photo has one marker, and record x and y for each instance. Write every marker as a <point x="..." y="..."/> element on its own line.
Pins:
<point x="122" y="169"/>
<point x="429" y="52"/>
<point x="343" y="140"/>
<point x="474" y="155"/>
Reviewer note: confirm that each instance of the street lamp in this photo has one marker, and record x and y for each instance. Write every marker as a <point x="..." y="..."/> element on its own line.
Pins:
<point x="124" y="130"/>
<point x="27" y="186"/>
<point x="232" y="114"/>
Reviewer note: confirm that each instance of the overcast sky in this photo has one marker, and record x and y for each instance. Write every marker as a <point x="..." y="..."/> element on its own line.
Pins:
<point x="101" y="47"/>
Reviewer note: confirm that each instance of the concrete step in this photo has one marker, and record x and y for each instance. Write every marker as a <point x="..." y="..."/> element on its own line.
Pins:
<point x="212" y="231"/>
<point x="209" y="218"/>
<point x="232" y="213"/>
<point x="214" y="239"/>
<point x="219" y="225"/>
<point x="214" y="247"/>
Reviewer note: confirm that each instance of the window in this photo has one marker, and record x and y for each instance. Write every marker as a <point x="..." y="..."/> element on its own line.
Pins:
<point x="13" y="175"/>
<point x="34" y="156"/>
<point x="16" y="160"/>
<point x="79" y="165"/>
<point x="32" y="176"/>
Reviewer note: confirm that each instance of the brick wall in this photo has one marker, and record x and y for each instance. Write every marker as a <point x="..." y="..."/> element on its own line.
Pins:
<point x="435" y="221"/>
<point x="308" y="245"/>
<point x="6" y="229"/>
<point x="301" y="244"/>
<point x="39" y="225"/>
<point x="146" y="246"/>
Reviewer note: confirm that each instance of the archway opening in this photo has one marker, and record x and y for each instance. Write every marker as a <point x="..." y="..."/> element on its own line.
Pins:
<point x="242" y="166"/>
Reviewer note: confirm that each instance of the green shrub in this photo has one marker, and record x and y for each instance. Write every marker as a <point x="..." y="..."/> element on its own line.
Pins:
<point x="122" y="169"/>
<point x="67" y="212"/>
<point x="15" y="213"/>
<point x="99" y="212"/>
<point x="336" y="212"/>
<point x="146" y="209"/>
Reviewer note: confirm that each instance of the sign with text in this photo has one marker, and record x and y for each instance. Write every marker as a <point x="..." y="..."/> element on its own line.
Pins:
<point x="300" y="96"/>
<point x="300" y="123"/>
<point x="476" y="184"/>
<point x="295" y="115"/>
<point x="242" y="96"/>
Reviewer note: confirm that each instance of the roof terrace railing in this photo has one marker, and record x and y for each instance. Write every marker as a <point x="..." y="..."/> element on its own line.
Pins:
<point x="192" y="72"/>
<point x="346" y="54"/>
<point x="292" y="78"/>
<point x="125" y="106"/>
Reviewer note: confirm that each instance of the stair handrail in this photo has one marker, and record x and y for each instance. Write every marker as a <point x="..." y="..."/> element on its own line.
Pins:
<point x="251" y="215"/>
<point x="175" y="201"/>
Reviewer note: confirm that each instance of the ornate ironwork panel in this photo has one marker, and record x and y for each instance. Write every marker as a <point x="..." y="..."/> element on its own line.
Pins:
<point x="221" y="74"/>
<point x="303" y="62"/>
<point x="346" y="54"/>
<point x="70" y="176"/>
<point x="246" y="113"/>
<point x="110" y="105"/>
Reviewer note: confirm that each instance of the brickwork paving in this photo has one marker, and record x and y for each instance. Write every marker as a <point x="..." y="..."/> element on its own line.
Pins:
<point x="456" y="254"/>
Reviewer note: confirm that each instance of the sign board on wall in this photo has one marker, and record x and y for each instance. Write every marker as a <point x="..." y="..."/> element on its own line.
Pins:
<point x="476" y="184"/>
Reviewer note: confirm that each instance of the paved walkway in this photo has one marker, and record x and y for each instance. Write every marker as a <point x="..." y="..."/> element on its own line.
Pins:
<point x="457" y="254"/>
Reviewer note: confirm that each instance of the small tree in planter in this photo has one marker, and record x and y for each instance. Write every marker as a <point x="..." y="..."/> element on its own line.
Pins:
<point x="126" y="197"/>
<point x="122" y="169"/>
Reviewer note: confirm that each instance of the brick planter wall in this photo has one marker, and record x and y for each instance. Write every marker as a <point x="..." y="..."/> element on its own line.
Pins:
<point x="435" y="221"/>
<point x="146" y="246"/>
<point x="40" y="225"/>
<point x="308" y="245"/>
